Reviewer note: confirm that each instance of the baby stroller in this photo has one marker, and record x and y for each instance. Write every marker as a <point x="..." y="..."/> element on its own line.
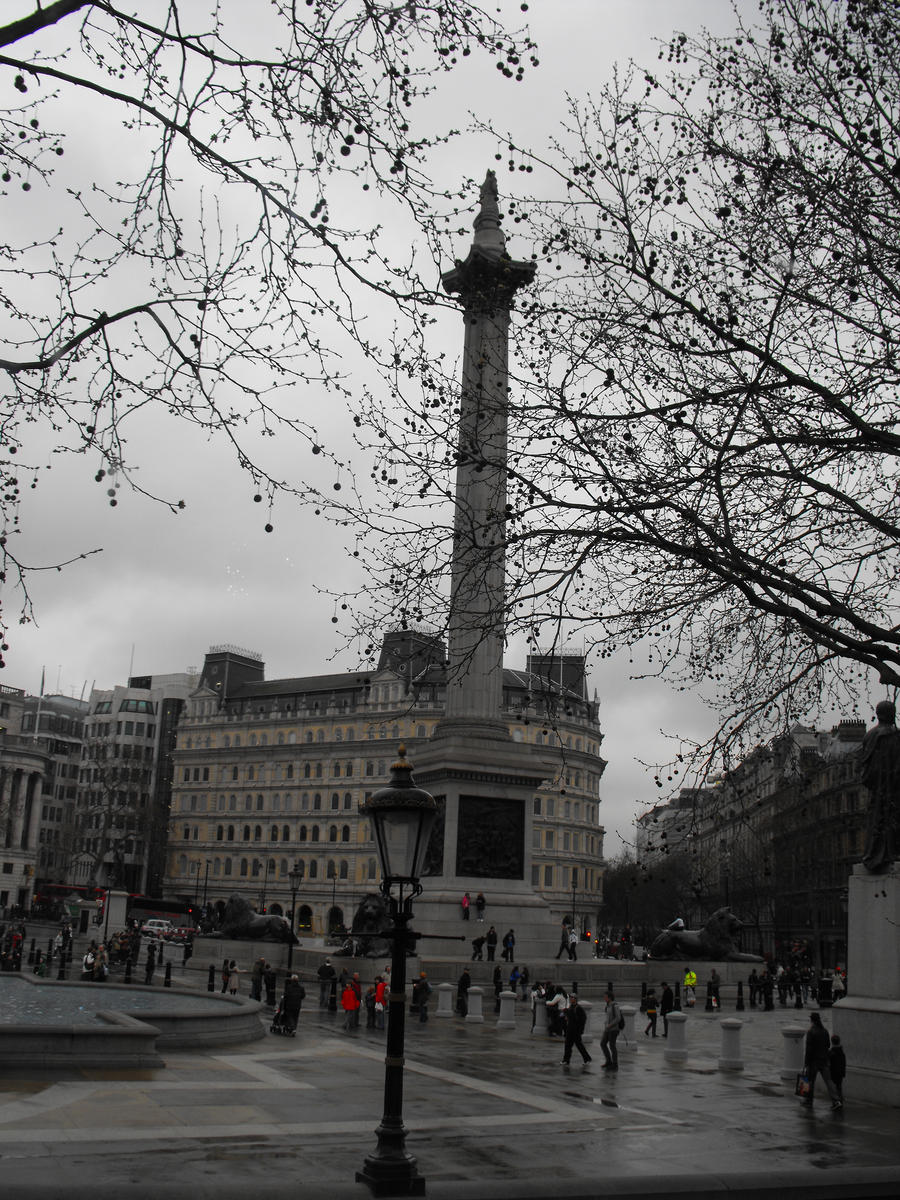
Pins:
<point x="283" y="1023"/>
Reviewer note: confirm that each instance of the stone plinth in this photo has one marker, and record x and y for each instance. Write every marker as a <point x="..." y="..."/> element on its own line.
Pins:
<point x="446" y="993"/>
<point x="475" y="1013"/>
<point x="794" y="1046"/>
<point x="627" y="1034"/>
<point x="507" y="1018"/>
<point x="730" y="1057"/>
<point x="676" y="1050"/>
<point x="868" y="1018"/>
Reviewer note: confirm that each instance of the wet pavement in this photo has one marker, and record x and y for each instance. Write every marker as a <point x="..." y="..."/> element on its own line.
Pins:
<point x="490" y="1113"/>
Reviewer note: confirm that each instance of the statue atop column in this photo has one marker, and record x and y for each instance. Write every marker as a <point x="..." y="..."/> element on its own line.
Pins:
<point x="880" y="771"/>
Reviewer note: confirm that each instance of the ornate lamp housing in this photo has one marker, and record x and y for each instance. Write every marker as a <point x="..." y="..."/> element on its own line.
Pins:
<point x="402" y="817"/>
<point x="295" y="875"/>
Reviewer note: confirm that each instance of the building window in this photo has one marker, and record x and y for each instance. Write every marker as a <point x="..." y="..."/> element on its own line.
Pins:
<point x="243" y="866"/>
<point x="332" y="833"/>
<point x="344" y="870"/>
<point x="345" y="833"/>
<point x="273" y="835"/>
<point x="313" y="866"/>
<point x="548" y="876"/>
<point x="286" y="833"/>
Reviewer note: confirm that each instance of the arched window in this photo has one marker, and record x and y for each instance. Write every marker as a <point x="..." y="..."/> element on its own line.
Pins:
<point x="345" y="833"/>
<point x="320" y="735"/>
<point x="182" y="864"/>
<point x="220" y="833"/>
<point x="232" y="803"/>
<point x="302" y="834"/>
<point x="314" y="866"/>
<point x="372" y="868"/>
<point x="273" y="835"/>
<point x="289" y="774"/>
<point x="221" y="804"/>
<point x="231" y="833"/>
<point x="260" y="803"/>
<point x="257" y="867"/>
<point x="217" y="866"/>
<point x="234" y="772"/>
<point x="226" y="741"/>
<point x="338" y="735"/>
<point x="248" y="804"/>
<point x="317" y="801"/>
<point x="420" y="731"/>
<point x="227" y="866"/>
<point x="187" y="833"/>
<point x="331" y="872"/>
<point x="309" y="736"/>
<point x="279" y="741"/>
<point x="257" y="833"/>
<point x="318" y="770"/>
<point x="246" y="833"/>
<point x="250" y="774"/>
<point x="304" y="917"/>
<point x="332" y="833"/>
<point x="307" y="770"/>
<point x="335" y="801"/>
<point x="315" y="833"/>
<point x="348" y="800"/>
<point x="252" y="743"/>
<point x="264" y="739"/>
<point x="285" y="833"/>
<point x="243" y="866"/>
<point x="344" y="869"/>
<point x="237" y="739"/>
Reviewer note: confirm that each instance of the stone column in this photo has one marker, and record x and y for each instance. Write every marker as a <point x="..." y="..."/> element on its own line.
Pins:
<point x="446" y="992"/>
<point x="507" y="1018"/>
<point x="475" y="1013"/>
<point x="627" y="1033"/>
<point x="539" y="1028"/>
<point x="793" y="1036"/>
<point x="676" y="1050"/>
<point x="730" y="1057"/>
<point x="587" y="1036"/>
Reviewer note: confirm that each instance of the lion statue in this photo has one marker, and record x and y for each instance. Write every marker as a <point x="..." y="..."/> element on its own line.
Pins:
<point x="714" y="941"/>
<point x="370" y="924"/>
<point x="240" y="921"/>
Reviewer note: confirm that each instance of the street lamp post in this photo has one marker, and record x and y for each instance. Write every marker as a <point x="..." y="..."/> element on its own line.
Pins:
<point x="295" y="875"/>
<point x="402" y="816"/>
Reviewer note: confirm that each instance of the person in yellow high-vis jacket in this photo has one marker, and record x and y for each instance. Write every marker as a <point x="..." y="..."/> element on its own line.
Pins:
<point x="690" y="985"/>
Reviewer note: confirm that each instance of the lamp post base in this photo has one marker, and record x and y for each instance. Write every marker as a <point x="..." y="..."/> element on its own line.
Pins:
<point x="394" y="1178"/>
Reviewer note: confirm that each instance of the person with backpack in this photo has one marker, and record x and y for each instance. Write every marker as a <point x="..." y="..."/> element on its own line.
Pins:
<point x="294" y="995"/>
<point x="614" y="1022"/>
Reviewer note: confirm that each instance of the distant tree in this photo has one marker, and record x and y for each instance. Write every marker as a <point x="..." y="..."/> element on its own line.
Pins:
<point x="200" y="221"/>
<point x="647" y="893"/>
<point x="704" y="429"/>
<point x="114" y="814"/>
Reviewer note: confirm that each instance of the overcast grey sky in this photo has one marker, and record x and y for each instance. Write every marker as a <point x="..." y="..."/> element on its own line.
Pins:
<point x="168" y="586"/>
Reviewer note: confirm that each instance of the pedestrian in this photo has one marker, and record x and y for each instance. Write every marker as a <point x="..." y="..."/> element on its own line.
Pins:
<point x="88" y="961"/>
<point x="556" y="1009"/>
<point x="350" y="1001"/>
<point x="837" y="985"/>
<point x="563" y="940"/>
<point x="462" y="992"/>
<point x="491" y="943"/>
<point x="466" y="901"/>
<point x="509" y="945"/>
<point x="498" y="987"/>
<point x="224" y="975"/>
<point x="357" y="990"/>
<point x="753" y="986"/>
<point x="573" y="945"/>
<point x="515" y="976"/>
<point x="666" y="1005"/>
<point x="523" y="982"/>
<point x="837" y="1066"/>
<point x="421" y="992"/>
<point x="234" y="980"/>
<point x="478" y="948"/>
<point x="690" y="987"/>
<point x="651" y="1012"/>
<point x="714" y="984"/>
<point x="815" y="1060"/>
<point x="325" y="973"/>
<point x="294" y="995"/>
<point x="480" y="905"/>
<point x="576" y="1019"/>
<point x="256" y="975"/>
<point x="380" y="1000"/>
<point x="369" y="1001"/>
<point x="614" y="1021"/>
<point x="270" y="980"/>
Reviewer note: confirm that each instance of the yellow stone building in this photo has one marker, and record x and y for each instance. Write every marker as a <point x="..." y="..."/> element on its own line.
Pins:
<point x="269" y="773"/>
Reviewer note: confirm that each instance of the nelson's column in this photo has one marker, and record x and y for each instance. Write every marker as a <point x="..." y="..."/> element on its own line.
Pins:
<point x="484" y="782"/>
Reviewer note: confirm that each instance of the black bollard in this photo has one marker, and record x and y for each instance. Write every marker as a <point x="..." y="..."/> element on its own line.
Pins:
<point x="167" y="982"/>
<point x="644" y="996"/>
<point x="798" y="1003"/>
<point x="211" y="978"/>
<point x="50" y="950"/>
<point x="739" y="1007"/>
<point x="610" y="988"/>
<point x="128" y="970"/>
<point x="710" y="1007"/>
<point x="61" y="973"/>
<point x="31" y="953"/>
<point x="676" y="1003"/>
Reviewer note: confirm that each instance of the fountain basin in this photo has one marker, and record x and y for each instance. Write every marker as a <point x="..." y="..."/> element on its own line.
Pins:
<point x="54" y="1023"/>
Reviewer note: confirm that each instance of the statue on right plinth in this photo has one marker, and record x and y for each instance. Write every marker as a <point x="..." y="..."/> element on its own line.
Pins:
<point x="879" y="758"/>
